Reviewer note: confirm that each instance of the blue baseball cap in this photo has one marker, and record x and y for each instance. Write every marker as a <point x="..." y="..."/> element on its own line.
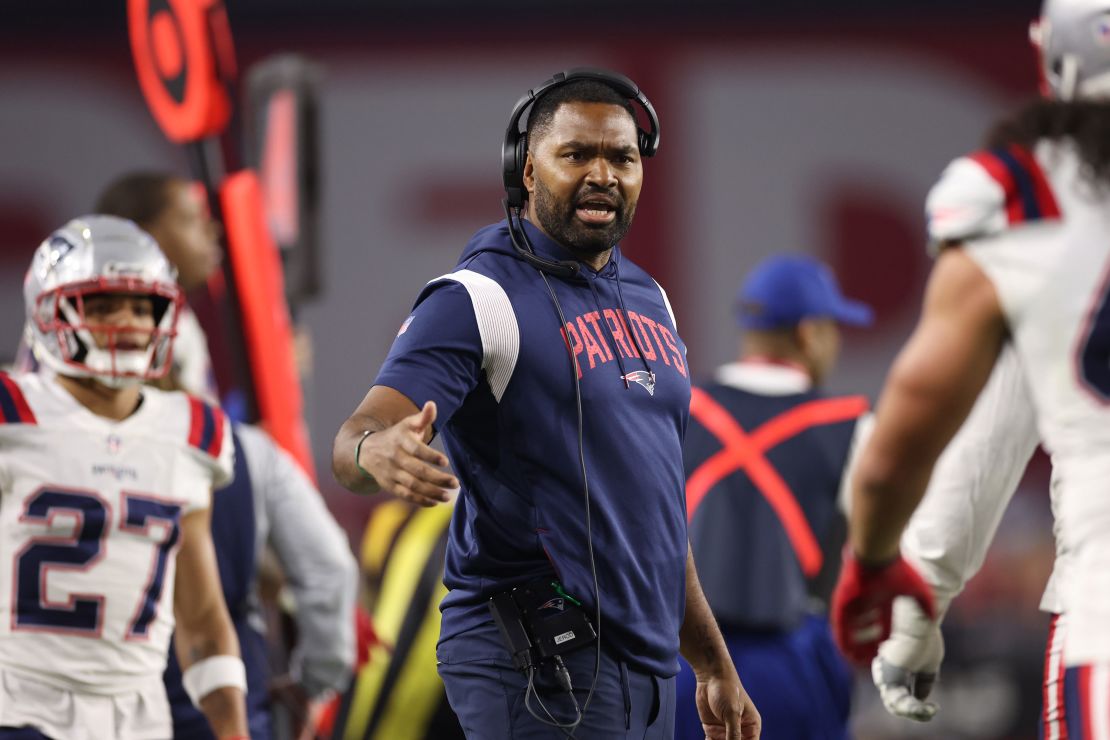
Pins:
<point x="786" y="288"/>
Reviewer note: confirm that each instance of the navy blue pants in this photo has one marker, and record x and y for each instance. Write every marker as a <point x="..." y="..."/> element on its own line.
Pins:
<point x="798" y="681"/>
<point x="21" y="733"/>
<point x="488" y="694"/>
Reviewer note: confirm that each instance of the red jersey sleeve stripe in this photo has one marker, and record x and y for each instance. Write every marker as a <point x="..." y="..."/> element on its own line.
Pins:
<point x="1042" y="191"/>
<point x="13" y="406"/>
<point x="1000" y="173"/>
<point x="216" y="444"/>
<point x="206" y="427"/>
<point x="1028" y="195"/>
<point x="196" y="421"/>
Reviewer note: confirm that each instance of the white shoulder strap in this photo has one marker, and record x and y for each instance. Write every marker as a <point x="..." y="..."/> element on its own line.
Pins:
<point x="667" y="303"/>
<point x="497" y="326"/>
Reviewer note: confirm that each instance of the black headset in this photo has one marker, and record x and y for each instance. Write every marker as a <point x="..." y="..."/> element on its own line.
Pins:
<point x="514" y="152"/>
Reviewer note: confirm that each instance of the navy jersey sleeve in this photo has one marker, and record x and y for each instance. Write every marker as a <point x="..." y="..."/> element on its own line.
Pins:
<point x="437" y="355"/>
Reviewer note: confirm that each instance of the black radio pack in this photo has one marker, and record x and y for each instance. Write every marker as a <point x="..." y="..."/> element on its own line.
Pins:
<point x="540" y="620"/>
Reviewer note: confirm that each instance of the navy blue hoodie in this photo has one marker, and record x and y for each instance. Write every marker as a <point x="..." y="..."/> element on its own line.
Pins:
<point x="485" y="343"/>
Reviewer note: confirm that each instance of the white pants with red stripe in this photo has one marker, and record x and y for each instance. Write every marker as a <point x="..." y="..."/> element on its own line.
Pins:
<point x="1076" y="699"/>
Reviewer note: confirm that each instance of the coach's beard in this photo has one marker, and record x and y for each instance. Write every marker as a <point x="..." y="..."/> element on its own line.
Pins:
<point x="560" y="220"/>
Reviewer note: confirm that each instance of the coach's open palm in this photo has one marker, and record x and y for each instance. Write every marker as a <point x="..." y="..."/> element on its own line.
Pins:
<point x="402" y="464"/>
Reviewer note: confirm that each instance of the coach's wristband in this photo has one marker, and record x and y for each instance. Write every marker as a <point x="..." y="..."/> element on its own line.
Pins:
<point x="358" y="449"/>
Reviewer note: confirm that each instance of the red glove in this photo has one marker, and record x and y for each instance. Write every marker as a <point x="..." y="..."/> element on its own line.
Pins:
<point x="863" y="599"/>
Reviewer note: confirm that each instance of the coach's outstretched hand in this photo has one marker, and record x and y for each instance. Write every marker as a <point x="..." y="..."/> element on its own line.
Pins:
<point x="862" y="602"/>
<point x="404" y="465"/>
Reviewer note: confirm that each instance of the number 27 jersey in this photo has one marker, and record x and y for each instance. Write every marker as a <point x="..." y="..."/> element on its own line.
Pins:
<point x="90" y="516"/>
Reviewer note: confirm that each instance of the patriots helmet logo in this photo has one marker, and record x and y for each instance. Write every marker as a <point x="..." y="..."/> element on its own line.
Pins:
<point x="60" y="247"/>
<point x="643" y="377"/>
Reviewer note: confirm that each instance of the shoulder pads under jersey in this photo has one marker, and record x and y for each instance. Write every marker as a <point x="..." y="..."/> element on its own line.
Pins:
<point x="986" y="193"/>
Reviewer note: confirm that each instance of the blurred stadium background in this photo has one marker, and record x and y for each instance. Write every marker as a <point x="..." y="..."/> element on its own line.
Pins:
<point x="785" y="125"/>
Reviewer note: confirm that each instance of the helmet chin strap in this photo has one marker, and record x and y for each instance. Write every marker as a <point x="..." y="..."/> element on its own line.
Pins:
<point x="127" y="367"/>
<point x="117" y="382"/>
<point x="1069" y="77"/>
<point x="105" y="378"/>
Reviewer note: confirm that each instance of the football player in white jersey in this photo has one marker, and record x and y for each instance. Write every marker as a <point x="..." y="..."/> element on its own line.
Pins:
<point x="1023" y="231"/>
<point x="104" y="493"/>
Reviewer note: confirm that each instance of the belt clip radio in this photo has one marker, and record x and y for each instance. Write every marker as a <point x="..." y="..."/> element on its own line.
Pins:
<point x="539" y="621"/>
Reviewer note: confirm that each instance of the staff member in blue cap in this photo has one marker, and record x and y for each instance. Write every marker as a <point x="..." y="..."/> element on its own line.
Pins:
<point x="765" y="458"/>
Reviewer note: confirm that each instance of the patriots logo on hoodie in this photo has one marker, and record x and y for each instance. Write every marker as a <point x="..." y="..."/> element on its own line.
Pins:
<point x="644" y="378"/>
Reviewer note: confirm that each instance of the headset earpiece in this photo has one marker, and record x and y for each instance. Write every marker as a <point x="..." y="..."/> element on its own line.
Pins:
<point x="512" y="174"/>
<point x="521" y="160"/>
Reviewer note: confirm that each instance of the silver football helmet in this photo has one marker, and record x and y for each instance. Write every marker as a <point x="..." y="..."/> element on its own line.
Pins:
<point x="1073" y="38"/>
<point x="100" y="255"/>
